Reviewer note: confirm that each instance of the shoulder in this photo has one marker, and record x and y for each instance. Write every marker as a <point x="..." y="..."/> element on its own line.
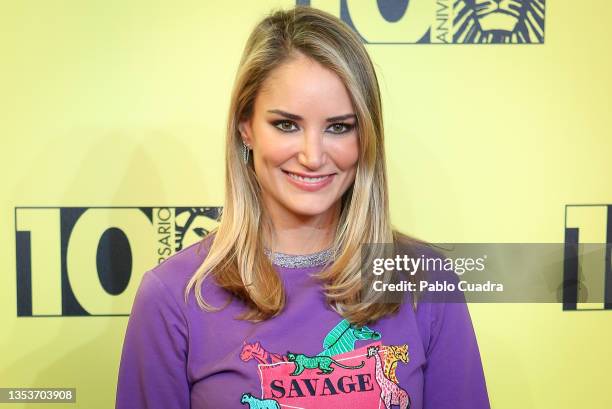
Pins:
<point x="432" y="306"/>
<point x="430" y="256"/>
<point x="174" y="273"/>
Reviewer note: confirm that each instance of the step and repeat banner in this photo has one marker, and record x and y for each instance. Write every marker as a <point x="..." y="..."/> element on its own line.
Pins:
<point x="497" y="131"/>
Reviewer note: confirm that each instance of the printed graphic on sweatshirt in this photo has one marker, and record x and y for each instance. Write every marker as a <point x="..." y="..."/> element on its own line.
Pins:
<point x="342" y="375"/>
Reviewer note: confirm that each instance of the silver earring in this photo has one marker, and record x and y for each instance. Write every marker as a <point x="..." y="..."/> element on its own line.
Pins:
<point x="245" y="152"/>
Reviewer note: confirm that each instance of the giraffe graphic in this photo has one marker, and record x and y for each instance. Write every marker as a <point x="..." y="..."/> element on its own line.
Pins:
<point x="393" y="355"/>
<point x="390" y="393"/>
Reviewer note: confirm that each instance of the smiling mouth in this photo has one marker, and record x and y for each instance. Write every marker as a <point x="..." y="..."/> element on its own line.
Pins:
<point x="308" y="179"/>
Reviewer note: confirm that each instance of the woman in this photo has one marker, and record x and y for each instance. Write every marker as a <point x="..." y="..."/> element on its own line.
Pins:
<point x="267" y="312"/>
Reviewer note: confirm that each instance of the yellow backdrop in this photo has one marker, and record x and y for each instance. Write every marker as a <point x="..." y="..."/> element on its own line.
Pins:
<point x="120" y="105"/>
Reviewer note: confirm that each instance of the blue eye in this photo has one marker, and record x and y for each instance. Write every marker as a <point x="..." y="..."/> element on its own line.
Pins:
<point x="285" y="125"/>
<point x="340" y="127"/>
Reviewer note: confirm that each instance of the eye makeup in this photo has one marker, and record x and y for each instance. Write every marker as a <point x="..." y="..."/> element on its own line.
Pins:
<point x="345" y="127"/>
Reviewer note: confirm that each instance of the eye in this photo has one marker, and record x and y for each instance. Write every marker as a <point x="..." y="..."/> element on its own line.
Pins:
<point x="285" y="125"/>
<point x="340" y="127"/>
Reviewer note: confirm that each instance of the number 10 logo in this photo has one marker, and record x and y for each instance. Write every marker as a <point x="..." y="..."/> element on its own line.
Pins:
<point x="89" y="260"/>
<point x="587" y="270"/>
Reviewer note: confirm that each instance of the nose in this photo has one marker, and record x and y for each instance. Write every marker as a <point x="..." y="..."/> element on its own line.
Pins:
<point x="312" y="155"/>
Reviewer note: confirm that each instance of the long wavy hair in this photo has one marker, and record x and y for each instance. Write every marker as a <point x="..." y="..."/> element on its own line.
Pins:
<point x="236" y="257"/>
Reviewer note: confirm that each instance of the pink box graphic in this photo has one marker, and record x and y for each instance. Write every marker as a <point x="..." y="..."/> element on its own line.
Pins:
<point x="323" y="383"/>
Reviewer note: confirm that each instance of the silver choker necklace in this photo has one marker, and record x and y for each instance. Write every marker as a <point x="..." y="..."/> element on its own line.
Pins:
<point x="300" y="260"/>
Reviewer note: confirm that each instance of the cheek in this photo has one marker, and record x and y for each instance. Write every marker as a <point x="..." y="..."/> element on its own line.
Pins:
<point x="272" y="148"/>
<point x="345" y="153"/>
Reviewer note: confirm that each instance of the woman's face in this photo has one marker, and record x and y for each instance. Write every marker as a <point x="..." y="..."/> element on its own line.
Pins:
<point x="304" y="139"/>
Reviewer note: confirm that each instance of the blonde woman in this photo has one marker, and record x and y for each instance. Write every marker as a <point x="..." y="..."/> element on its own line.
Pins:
<point x="267" y="311"/>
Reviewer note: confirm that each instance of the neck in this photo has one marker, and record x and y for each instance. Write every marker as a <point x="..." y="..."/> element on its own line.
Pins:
<point x="298" y="234"/>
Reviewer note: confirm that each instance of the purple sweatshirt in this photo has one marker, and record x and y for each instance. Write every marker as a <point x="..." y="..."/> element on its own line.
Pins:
<point x="176" y="355"/>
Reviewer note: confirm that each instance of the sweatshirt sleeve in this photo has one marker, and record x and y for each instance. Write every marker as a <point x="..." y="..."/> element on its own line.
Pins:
<point x="152" y="372"/>
<point x="453" y="377"/>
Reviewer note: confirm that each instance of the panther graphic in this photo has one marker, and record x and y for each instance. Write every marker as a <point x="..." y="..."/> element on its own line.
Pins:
<point x="324" y="363"/>
<point x="498" y="21"/>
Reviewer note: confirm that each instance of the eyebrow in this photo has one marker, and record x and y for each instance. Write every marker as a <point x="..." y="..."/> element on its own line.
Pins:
<point x="298" y="118"/>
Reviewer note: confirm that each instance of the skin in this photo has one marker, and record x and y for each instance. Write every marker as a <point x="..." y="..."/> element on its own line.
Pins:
<point x="304" y="221"/>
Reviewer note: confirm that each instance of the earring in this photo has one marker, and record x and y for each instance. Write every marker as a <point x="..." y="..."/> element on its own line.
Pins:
<point x="245" y="152"/>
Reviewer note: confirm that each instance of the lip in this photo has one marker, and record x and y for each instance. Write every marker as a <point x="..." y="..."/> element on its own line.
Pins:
<point x="309" y="186"/>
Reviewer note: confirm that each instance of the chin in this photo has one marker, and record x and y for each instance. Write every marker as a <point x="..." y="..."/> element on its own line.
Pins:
<point x="306" y="209"/>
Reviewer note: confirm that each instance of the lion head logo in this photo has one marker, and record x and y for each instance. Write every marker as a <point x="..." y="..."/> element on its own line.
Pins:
<point x="499" y="21"/>
<point x="193" y="223"/>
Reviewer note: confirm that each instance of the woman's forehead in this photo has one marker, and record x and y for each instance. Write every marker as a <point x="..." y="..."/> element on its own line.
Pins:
<point x="303" y="83"/>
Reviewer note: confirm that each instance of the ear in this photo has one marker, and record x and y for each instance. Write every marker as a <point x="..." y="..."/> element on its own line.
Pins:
<point x="246" y="132"/>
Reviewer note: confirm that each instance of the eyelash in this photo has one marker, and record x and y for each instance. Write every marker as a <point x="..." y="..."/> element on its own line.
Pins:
<point x="347" y="127"/>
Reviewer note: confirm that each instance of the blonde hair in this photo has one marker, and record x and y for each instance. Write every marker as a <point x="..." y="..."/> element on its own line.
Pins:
<point x="236" y="256"/>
